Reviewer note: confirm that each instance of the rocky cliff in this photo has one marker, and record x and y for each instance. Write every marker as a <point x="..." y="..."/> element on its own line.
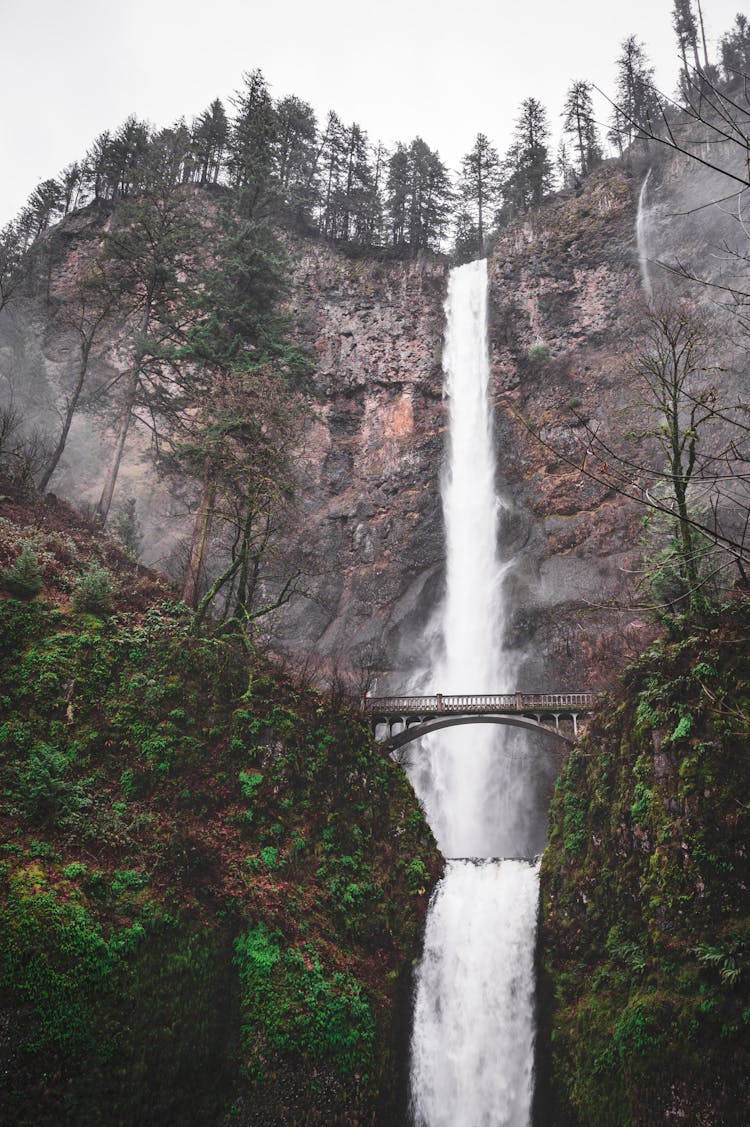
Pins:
<point x="565" y="306"/>
<point x="564" y="296"/>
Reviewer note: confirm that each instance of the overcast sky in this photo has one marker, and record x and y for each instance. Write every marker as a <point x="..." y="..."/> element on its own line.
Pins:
<point x="443" y="69"/>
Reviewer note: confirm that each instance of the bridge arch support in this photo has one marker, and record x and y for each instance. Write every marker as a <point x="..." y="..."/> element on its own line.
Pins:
<point x="416" y="730"/>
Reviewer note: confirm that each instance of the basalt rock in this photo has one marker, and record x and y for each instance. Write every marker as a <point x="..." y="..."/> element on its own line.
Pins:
<point x="564" y="308"/>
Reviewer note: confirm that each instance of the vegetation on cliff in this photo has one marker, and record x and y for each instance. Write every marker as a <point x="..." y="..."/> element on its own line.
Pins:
<point x="213" y="884"/>
<point x="644" y="919"/>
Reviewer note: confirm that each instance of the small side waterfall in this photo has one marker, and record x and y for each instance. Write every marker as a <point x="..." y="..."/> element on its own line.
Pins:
<point x="641" y="236"/>
<point x="472" y="1043"/>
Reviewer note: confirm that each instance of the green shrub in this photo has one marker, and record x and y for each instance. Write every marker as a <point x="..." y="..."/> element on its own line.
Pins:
<point x="24" y="579"/>
<point x="291" y="1002"/>
<point x="45" y="789"/>
<point x="538" y="354"/>
<point x="416" y="876"/>
<point x="93" y="593"/>
<point x="125" y="527"/>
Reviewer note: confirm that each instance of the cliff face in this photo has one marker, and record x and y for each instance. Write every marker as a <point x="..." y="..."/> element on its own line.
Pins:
<point x="561" y="286"/>
<point x="371" y="529"/>
<point x="565" y="292"/>
<point x="565" y="302"/>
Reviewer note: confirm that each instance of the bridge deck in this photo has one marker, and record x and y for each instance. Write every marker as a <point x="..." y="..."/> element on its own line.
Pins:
<point x="478" y="704"/>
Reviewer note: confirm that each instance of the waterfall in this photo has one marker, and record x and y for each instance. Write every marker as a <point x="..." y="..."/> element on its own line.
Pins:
<point x="641" y="240"/>
<point x="472" y="1042"/>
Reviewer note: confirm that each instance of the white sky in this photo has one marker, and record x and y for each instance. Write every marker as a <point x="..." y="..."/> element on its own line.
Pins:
<point x="443" y="69"/>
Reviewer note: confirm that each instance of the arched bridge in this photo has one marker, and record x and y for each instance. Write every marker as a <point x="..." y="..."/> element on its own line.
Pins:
<point x="396" y="721"/>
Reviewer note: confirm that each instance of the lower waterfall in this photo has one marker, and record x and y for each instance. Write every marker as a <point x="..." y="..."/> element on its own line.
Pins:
<point x="473" y="1033"/>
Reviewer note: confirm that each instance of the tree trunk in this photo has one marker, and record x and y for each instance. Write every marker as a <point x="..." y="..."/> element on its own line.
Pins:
<point x="71" y="409"/>
<point x="87" y="341"/>
<point x="703" y="35"/>
<point x="105" y="501"/>
<point x="199" y="540"/>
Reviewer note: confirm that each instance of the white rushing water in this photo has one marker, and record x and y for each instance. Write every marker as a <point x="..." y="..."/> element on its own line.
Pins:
<point x="641" y="235"/>
<point x="473" y="1051"/>
<point x="472" y="1041"/>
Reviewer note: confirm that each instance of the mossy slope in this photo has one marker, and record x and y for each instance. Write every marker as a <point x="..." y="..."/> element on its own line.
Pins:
<point x="645" y="930"/>
<point x="212" y="883"/>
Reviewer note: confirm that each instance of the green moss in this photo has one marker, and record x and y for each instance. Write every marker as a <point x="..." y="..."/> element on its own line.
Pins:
<point x="293" y="1007"/>
<point x="644" y="913"/>
<point x="139" y="776"/>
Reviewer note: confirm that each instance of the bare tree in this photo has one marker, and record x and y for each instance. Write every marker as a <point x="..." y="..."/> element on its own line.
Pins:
<point x="682" y="454"/>
<point x="86" y="313"/>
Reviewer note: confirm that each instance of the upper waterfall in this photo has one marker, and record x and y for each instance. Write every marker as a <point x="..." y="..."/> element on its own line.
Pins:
<point x="641" y="235"/>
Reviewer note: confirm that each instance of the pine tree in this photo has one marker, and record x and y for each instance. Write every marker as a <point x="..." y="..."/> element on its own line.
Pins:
<point x="637" y="104"/>
<point x="359" y="204"/>
<point x="296" y="154"/>
<point x="686" y="30"/>
<point x="418" y="197"/>
<point x="236" y="439"/>
<point x="11" y="256"/>
<point x="45" y="205"/>
<point x="479" y="185"/>
<point x="252" y="147"/>
<point x="149" y="254"/>
<point x="210" y="135"/>
<point x="332" y="158"/>
<point x="735" y="51"/>
<point x="24" y="579"/>
<point x="527" y="169"/>
<point x="579" y="124"/>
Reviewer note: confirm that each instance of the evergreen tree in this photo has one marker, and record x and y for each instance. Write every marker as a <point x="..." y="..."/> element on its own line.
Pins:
<point x="564" y="166"/>
<point x="333" y="156"/>
<point x="637" y="104"/>
<point x="171" y="156"/>
<point x="149" y="254"/>
<point x="686" y="30"/>
<point x="527" y="169"/>
<point x="71" y="183"/>
<point x="210" y="136"/>
<point x="580" y="126"/>
<point x="418" y="197"/>
<point x="360" y="203"/>
<point x="397" y="194"/>
<point x="93" y="172"/>
<point x="11" y="255"/>
<point x="126" y="153"/>
<point x="296" y="159"/>
<point x="45" y="205"/>
<point x="479" y="185"/>
<point x="23" y="580"/>
<point x="735" y="51"/>
<point x="109" y="165"/>
<point x="252" y="146"/>
<point x="466" y="236"/>
<point x="237" y="436"/>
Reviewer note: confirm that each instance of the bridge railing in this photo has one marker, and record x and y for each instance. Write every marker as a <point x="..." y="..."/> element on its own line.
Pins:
<point x="439" y="703"/>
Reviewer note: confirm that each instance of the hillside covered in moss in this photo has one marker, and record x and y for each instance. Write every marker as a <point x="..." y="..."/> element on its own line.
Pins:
<point x="645" y="935"/>
<point x="212" y="883"/>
